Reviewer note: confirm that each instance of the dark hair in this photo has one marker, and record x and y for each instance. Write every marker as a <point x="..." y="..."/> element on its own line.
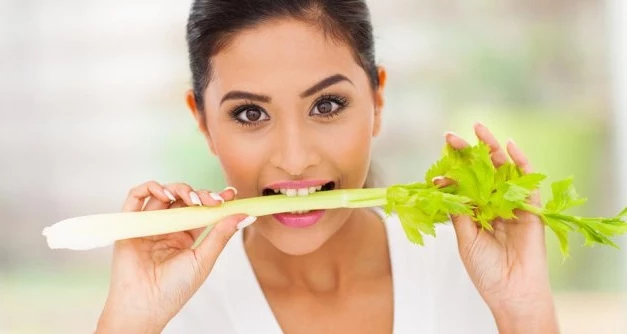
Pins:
<point x="212" y="24"/>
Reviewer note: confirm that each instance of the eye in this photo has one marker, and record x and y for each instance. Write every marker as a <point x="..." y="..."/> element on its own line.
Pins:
<point x="249" y="115"/>
<point x="328" y="106"/>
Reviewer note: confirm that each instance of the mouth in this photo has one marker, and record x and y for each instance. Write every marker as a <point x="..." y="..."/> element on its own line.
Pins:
<point x="297" y="188"/>
<point x="298" y="219"/>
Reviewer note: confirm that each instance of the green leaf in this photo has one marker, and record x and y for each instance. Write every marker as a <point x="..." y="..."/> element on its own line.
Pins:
<point x="438" y="169"/>
<point x="410" y="220"/>
<point x="504" y="173"/>
<point x="515" y="193"/>
<point x="529" y="181"/>
<point x="564" y="196"/>
<point x="561" y="230"/>
<point x="483" y="168"/>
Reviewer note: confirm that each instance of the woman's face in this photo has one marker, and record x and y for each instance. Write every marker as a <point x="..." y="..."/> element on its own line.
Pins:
<point x="289" y="108"/>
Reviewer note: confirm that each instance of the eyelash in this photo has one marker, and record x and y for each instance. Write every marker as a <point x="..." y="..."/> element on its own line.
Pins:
<point x="341" y="101"/>
<point x="242" y="108"/>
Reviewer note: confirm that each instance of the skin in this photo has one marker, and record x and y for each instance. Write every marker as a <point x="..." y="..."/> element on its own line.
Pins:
<point x="341" y="263"/>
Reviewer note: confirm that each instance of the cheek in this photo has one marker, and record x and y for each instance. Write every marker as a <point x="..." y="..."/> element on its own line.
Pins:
<point x="349" y="148"/>
<point x="240" y="159"/>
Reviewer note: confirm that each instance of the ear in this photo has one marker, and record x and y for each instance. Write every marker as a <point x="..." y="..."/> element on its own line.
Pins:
<point x="379" y="100"/>
<point x="201" y="119"/>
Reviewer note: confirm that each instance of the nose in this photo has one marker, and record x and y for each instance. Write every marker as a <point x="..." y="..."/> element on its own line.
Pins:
<point x="295" y="151"/>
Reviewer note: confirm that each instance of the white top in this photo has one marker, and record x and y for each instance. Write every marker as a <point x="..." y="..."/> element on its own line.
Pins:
<point x="432" y="291"/>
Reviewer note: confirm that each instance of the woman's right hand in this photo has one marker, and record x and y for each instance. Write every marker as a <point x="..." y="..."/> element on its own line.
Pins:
<point x="153" y="277"/>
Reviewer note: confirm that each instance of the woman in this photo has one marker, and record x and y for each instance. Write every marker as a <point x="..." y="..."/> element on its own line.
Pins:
<point x="288" y="97"/>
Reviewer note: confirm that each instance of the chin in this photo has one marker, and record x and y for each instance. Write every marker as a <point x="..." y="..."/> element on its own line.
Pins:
<point x="303" y="241"/>
<point x="300" y="242"/>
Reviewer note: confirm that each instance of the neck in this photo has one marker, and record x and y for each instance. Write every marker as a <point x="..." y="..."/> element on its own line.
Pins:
<point x="357" y="251"/>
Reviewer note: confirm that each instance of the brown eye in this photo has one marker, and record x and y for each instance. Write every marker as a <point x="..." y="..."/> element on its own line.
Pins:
<point x="325" y="107"/>
<point x="251" y="115"/>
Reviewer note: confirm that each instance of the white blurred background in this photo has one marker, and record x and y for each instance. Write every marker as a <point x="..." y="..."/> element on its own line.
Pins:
<point x="92" y="103"/>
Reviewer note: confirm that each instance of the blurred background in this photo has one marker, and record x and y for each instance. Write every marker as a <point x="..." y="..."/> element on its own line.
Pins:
<point x="92" y="103"/>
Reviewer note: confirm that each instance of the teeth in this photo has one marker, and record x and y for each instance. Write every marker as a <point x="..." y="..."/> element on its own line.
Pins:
<point x="298" y="191"/>
<point x="299" y="212"/>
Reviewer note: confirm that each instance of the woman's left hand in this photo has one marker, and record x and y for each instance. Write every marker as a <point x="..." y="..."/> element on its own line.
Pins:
<point x="508" y="265"/>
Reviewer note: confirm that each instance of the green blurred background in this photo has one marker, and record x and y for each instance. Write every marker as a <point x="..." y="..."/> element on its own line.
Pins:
<point x="92" y="102"/>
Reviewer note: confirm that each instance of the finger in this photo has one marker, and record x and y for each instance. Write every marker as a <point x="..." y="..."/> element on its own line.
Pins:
<point x="155" y="203"/>
<point x="229" y="193"/>
<point x="207" y="252"/>
<point x="442" y="181"/>
<point x="210" y="198"/>
<point x="522" y="162"/>
<point x="518" y="157"/>
<point x="455" y="141"/>
<point x="138" y="194"/>
<point x="213" y="198"/>
<point x="185" y="192"/>
<point x="497" y="154"/>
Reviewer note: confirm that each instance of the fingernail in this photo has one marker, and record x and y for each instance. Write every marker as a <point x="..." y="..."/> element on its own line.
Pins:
<point x="216" y="197"/>
<point x="479" y="123"/>
<point x="449" y="133"/>
<point x="246" y="221"/>
<point x="437" y="178"/>
<point x="194" y="197"/>
<point x="512" y="141"/>
<point x="232" y="188"/>
<point x="169" y="195"/>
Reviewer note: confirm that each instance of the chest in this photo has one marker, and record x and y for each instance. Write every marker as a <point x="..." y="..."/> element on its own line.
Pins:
<point x="363" y="308"/>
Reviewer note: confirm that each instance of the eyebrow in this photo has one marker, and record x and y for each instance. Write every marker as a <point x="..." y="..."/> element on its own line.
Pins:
<point x="238" y="94"/>
<point x="322" y="84"/>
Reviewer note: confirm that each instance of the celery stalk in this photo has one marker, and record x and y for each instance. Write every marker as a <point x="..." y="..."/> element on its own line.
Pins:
<point x="87" y="232"/>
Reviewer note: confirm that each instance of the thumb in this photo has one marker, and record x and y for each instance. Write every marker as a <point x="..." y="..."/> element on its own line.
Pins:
<point x="465" y="231"/>
<point x="209" y="249"/>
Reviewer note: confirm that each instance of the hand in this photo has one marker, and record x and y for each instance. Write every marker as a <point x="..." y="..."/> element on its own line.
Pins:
<point x="153" y="277"/>
<point x="508" y="266"/>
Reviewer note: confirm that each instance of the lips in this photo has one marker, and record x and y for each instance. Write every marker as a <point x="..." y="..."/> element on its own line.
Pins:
<point x="298" y="219"/>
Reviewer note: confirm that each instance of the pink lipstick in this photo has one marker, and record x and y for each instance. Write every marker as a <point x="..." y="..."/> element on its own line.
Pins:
<point x="299" y="188"/>
<point x="299" y="220"/>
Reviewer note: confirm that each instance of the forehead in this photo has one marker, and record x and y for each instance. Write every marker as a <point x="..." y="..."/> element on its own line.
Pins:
<point x="287" y="53"/>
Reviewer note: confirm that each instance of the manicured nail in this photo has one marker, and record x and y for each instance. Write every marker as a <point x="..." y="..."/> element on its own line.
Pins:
<point x="169" y="195"/>
<point x="216" y="197"/>
<point x="232" y="188"/>
<point x="194" y="197"/>
<point x="437" y="178"/>
<point x="246" y="221"/>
